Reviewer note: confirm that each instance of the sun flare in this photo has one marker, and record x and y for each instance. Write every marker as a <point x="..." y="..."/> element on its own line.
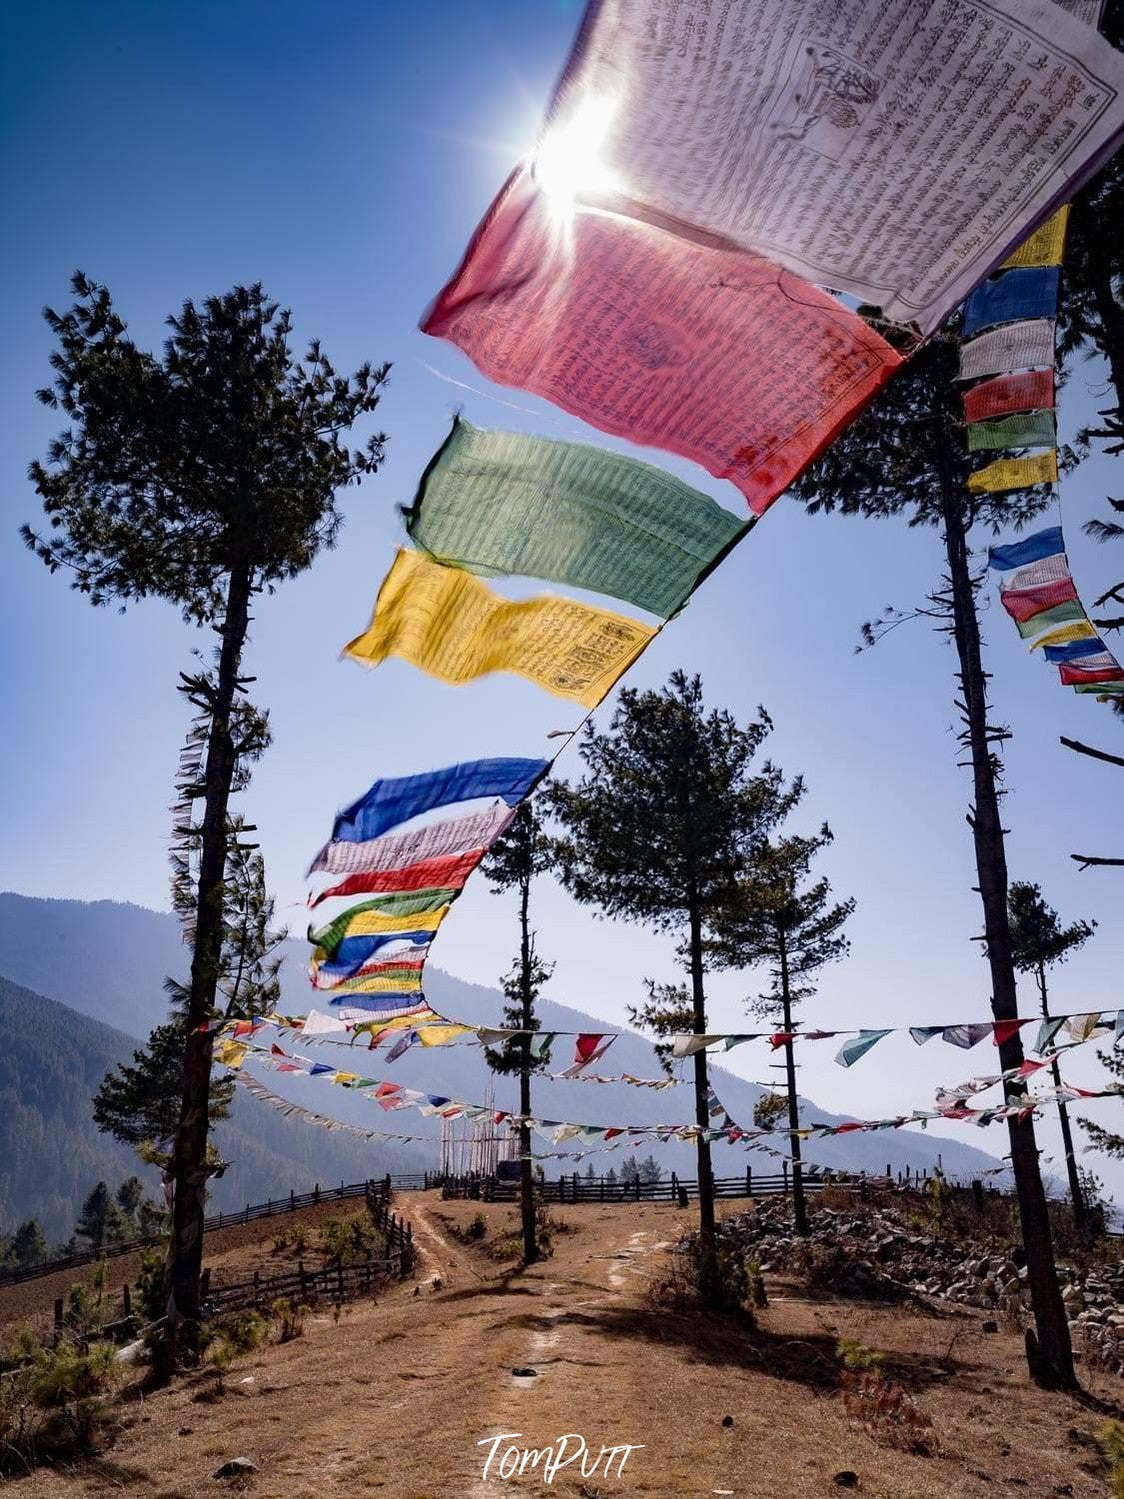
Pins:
<point x="568" y="162"/>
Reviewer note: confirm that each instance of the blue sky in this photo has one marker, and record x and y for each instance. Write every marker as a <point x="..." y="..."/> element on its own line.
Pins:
<point x="342" y="154"/>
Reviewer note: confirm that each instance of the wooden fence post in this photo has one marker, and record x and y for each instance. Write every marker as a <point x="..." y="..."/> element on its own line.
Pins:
<point x="126" y="1301"/>
<point x="316" y="1192"/>
<point x="58" y="1311"/>
<point x="749" y="1181"/>
<point x="784" y="1168"/>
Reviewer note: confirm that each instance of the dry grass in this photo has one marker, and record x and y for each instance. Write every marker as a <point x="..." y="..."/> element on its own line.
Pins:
<point x="394" y="1398"/>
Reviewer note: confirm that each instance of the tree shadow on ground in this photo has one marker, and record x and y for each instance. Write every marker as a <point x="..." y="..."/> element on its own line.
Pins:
<point x="807" y="1359"/>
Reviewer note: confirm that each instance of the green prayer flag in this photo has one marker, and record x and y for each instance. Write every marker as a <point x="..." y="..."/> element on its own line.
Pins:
<point x="1026" y="429"/>
<point x="1109" y="689"/>
<point x="501" y="503"/>
<point x="397" y="903"/>
<point x="1058" y="615"/>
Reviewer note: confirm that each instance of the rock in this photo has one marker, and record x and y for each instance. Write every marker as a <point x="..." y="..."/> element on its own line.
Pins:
<point x="847" y="1479"/>
<point x="236" y="1467"/>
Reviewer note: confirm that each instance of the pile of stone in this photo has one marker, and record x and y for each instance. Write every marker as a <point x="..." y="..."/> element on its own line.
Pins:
<point x="878" y="1252"/>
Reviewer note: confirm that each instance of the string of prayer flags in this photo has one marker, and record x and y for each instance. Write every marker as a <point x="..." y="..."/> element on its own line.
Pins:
<point x="644" y="333"/>
<point x="1049" y="613"/>
<point x="822" y="136"/>
<point x="436" y="840"/>
<point x="1013" y="296"/>
<point x="421" y="911"/>
<point x="398" y="799"/>
<point x="503" y="503"/>
<point x="449" y="624"/>
<point x="1013" y="346"/>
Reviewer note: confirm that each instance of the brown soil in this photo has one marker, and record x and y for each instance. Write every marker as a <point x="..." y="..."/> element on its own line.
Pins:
<point x="395" y="1396"/>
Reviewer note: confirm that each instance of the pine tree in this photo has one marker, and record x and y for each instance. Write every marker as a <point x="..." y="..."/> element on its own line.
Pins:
<point x="27" y="1247"/>
<point x="1038" y="941"/>
<point x="657" y="831"/>
<point x="513" y="861"/>
<point x="777" y="917"/>
<point x="202" y="477"/>
<point x="138" y="1103"/>
<point x="101" y="1221"/>
<point x="905" y="456"/>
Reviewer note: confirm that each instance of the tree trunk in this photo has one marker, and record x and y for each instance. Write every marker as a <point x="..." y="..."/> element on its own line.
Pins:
<point x="526" y="1178"/>
<point x="1076" y="1195"/>
<point x="1051" y="1359"/>
<point x="799" y="1207"/>
<point x="1111" y="317"/>
<point x="708" y="1247"/>
<point x="185" y="1251"/>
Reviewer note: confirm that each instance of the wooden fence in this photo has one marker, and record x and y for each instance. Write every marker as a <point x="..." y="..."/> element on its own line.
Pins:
<point x="406" y="1182"/>
<point x="579" y="1189"/>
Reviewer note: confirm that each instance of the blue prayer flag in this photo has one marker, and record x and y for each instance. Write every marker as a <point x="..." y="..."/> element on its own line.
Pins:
<point x="1011" y="297"/>
<point x="1074" y="650"/>
<point x="396" y="800"/>
<point x="1046" y="543"/>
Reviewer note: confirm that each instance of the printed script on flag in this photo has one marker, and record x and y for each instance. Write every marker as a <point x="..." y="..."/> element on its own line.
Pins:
<point x="890" y="149"/>
<point x="717" y="355"/>
<point x="448" y="623"/>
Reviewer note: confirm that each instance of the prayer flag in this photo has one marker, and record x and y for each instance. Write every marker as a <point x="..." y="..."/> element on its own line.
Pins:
<point x="860" y="145"/>
<point x="1015" y="473"/>
<point x="1105" y="691"/>
<point x="1012" y="296"/>
<point x="1012" y="346"/>
<point x="434" y="841"/>
<point x="714" y="354"/>
<point x="353" y="952"/>
<point x="1074" y="650"/>
<point x="1024" y="603"/>
<point x="686" y="1045"/>
<point x="1059" y="614"/>
<point x="449" y="624"/>
<point x="402" y="981"/>
<point x="499" y="503"/>
<point x="1073" y="675"/>
<point x="967" y="1035"/>
<point x="1030" y="391"/>
<point x="1048" y="570"/>
<point x="1026" y="429"/>
<point x="450" y="872"/>
<point x="852" y="1050"/>
<point x="1045" y="246"/>
<point x="390" y="802"/>
<point x="1003" y="1030"/>
<point x="1080" y="629"/>
<point x="361" y="921"/>
<point x="1042" y="544"/>
<point x="923" y="1033"/>
<point x="1095" y="661"/>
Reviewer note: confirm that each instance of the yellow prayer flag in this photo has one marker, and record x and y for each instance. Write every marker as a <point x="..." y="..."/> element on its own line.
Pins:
<point x="231" y="1054"/>
<point x="448" y="623"/>
<point x="439" y="1035"/>
<point x="374" y="923"/>
<point x="377" y="983"/>
<point x="345" y="1079"/>
<point x="1045" y="246"/>
<point x="1015" y="473"/>
<point x="1080" y="629"/>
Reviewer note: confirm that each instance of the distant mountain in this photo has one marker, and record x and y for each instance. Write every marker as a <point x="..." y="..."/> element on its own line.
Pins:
<point x="109" y="961"/>
<point x="51" y="1153"/>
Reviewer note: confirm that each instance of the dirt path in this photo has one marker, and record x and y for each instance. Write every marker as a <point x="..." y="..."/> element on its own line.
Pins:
<point x="395" y="1397"/>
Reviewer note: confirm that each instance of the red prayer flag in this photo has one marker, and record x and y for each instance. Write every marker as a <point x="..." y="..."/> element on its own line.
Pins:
<point x="1033" y="390"/>
<point x="1073" y="675"/>
<point x="1005" y="1029"/>
<point x="448" y="873"/>
<point x="715" y="354"/>
<point x="1025" y="603"/>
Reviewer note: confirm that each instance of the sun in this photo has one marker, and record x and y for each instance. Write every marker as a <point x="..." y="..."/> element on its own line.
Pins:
<point x="568" y="163"/>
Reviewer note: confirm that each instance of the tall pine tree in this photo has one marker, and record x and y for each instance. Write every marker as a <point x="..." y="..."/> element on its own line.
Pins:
<point x="658" y="830"/>
<point x="512" y="863"/>
<point x="905" y="457"/>
<point x="201" y="476"/>
<point x="779" y="917"/>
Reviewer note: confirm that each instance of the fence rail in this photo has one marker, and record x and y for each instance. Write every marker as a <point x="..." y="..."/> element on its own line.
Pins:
<point x="405" y="1182"/>
<point x="579" y="1189"/>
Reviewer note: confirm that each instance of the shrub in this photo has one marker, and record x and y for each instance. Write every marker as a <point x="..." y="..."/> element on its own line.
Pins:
<point x="1111" y="1439"/>
<point x="291" y="1240"/>
<point x="289" y="1316"/>
<point x="477" y="1228"/>
<point x="244" y="1331"/>
<point x="349" y="1238"/>
<point x="882" y="1407"/>
<point x="152" y="1285"/>
<point x="52" y="1405"/>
